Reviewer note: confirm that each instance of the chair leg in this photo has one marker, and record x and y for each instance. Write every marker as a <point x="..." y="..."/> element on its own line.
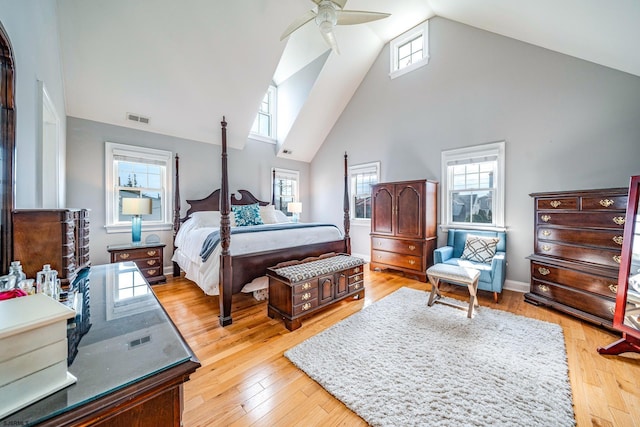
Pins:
<point x="495" y="297"/>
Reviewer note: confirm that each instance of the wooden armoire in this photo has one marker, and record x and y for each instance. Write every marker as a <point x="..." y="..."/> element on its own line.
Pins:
<point x="403" y="226"/>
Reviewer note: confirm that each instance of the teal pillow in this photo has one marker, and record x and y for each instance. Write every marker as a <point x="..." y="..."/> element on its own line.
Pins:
<point x="247" y="215"/>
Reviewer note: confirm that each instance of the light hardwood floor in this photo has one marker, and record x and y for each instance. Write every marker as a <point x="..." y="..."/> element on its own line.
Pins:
<point x="245" y="379"/>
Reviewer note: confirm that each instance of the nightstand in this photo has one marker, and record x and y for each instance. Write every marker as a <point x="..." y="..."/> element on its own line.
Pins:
<point x="147" y="256"/>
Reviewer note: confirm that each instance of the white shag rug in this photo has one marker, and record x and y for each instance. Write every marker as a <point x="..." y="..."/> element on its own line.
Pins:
<point x="399" y="362"/>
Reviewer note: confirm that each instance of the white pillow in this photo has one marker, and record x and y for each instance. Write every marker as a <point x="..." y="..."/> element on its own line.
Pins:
<point x="210" y="219"/>
<point x="268" y="214"/>
<point x="281" y="217"/>
<point x="258" y="283"/>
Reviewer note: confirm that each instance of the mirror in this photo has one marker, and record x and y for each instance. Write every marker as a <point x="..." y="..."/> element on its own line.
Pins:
<point x="626" y="318"/>
<point x="7" y="148"/>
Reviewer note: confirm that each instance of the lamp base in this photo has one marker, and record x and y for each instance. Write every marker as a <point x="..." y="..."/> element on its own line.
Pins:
<point x="136" y="229"/>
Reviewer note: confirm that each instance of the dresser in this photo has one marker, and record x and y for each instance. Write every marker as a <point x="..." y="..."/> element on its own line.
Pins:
<point x="403" y="226"/>
<point x="59" y="237"/>
<point x="149" y="257"/>
<point x="577" y="252"/>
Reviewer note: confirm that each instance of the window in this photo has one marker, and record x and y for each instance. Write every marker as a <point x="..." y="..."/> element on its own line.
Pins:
<point x="410" y="50"/>
<point x="473" y="187"/>
<point x="362" y="178"/>
<point x="286" y="188"/>
<point x="137" y="172"/>
<point x="264" y="127"/>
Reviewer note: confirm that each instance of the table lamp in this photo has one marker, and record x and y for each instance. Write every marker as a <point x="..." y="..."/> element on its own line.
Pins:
<point x="136" y="207"/>
<point x="295" y="208"/>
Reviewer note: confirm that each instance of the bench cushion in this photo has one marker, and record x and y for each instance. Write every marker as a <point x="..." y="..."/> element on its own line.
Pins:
<point x="308" y="270"/>
<point x="454" y="273"/>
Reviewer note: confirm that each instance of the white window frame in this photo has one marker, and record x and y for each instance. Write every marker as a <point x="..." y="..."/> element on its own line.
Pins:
<point x="113" y="223"/>
<point x="401" y="40"/>
<point x="467" y="154"/>
<point x="272" y="95"/>
<point x="289" y="174"/>
<point x="354" y="170"/>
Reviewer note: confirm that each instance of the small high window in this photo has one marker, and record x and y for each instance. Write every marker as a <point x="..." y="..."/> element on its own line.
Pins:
<point x="409" y="50"/>
<point x="264" y="127"/>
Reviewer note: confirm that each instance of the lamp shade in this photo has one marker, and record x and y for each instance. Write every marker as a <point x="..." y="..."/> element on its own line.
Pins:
<point x="294" y="207"/>
<point x="136" y="206"/>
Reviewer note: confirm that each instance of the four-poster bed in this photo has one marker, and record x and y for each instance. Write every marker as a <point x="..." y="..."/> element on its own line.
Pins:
<point x="237" y="269"/>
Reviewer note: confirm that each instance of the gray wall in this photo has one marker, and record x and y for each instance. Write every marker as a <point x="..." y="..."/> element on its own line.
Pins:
<point x="249" y="169"/>
<point x="568" y="124"/>
<point x="32" y="28"/>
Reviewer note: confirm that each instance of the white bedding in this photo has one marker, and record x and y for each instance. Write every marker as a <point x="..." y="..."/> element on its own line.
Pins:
<point x="190" y="238"/>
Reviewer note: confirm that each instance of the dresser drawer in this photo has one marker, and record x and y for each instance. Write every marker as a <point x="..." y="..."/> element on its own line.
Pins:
<point x="611" y="239"/>
<point x="305" y="296"/>
<point x="558" y="203"/>
<point x="356" y="278"/>
<point x="148" y="263"/>
<point x="353" y="287"/>
<point x="397" y="260"/>
<point x="605" y="257"/>
<point x="605" y="286"/>
<point x="589" y="303"/>
<point x="306" y="306"/>
<point x="604" y="202"/>
<point x="134" y="254"/>
<point x="583" y="219"/>
<point x="305" y="286"/>
<point x="408" y="247"/>
<point x="150" y="272"/>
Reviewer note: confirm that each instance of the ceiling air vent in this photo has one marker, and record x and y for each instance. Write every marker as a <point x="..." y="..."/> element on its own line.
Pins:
<point x="138" y="118"/>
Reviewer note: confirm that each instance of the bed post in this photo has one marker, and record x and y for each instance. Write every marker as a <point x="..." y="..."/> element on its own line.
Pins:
<point x="347" y="224"/>
<point x="176" y="215"/>
<point x="273" y="186"/>
<point x="226" y="274"/>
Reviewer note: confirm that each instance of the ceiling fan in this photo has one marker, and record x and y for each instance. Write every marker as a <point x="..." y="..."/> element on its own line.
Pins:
<point x="329" y="14"/>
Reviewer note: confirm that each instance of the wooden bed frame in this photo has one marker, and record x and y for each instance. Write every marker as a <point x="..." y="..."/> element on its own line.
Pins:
<point x="236" y="271"/>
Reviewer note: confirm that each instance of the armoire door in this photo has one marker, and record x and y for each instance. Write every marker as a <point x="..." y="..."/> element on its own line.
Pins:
<point x="382" y="218"/>
<point x="409" y="209"/>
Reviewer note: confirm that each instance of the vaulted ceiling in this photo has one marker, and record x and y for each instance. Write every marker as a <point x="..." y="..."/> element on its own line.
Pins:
<point x="186" y="64"/>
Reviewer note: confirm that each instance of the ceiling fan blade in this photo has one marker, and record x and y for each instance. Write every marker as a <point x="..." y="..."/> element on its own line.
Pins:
<point x="330" y="38"/>
<point x="339" y="3"/>
<point x="352" y="17"/>
<point x="298" y="23"/>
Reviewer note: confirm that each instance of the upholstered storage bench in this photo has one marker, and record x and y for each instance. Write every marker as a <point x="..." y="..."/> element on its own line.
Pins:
<point x="299" y="288"/>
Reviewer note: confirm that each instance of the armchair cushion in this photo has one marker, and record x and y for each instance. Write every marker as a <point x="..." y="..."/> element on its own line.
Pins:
<point x="479" y="249"/>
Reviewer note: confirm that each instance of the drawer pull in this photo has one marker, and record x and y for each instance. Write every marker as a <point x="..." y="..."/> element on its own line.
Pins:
<point x="356" y="270"/>
<point x="543" y="271"/>
<point x="356" y="286"/>
<point x="124" y="256"/>
<point x="306" y="306"/>
<point x="612" y="309"/>
<point x="152" y="253"/>
<point x="545" y="218"/>
<point x="151" y="262"/>
<point x="613" y="288"/>
<point x="617" y="258"/>
<point x="306" y="296"/>
<point x="546" y="233"/>
<point x="152" y="272"/>
<point x="546" y="247"/>
<point x="379" y="243"/>
<point x="412" y="247"/>
<point x="412" y="262"/>
<point x="543" y="288"/>
<point x="618" y="220"/>
<point x="356" y="278"/>
<point x="606" y="202"/>
<point x="617" y="239"/>
<point x="555" y="203"/>
<point x="306" y="286"/>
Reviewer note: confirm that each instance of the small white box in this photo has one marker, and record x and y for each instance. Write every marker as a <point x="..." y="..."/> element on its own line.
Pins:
<point x="33" y="350"/>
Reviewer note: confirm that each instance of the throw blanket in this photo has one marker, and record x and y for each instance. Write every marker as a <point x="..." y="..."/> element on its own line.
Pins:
<point x="213" y="239"/>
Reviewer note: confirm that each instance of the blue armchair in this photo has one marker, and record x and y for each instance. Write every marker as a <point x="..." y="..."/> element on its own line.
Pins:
<point x="491" y="275"/>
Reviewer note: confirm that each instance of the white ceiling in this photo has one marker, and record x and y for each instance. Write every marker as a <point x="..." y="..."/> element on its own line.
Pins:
<point x="186" y="64"/>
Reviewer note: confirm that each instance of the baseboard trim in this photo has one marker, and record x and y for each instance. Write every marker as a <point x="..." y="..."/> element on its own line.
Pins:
<point x="516" y="286"/>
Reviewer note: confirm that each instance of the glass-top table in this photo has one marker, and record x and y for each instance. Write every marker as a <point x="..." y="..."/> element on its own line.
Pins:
<point x="125" y="337"/>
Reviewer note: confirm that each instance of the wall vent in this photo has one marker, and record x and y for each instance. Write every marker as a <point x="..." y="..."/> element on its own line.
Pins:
<point x="138" y="118"/>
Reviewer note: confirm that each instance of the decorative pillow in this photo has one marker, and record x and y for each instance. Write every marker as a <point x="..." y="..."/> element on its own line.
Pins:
<point x="479" y="248"/>
<point x="247" y="215"/>
<point x="206" y="218"/>
<point x="268" y="214"/>
<point x="281" y="217"/>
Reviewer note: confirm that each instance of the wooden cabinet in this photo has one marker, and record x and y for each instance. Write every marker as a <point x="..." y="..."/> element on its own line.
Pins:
<point x="577" y="250"/>
<point x="292" y="300"/>
<point x="149" y="257"/>
<point x="59" y="237"/>
<point x="403" y="226"/>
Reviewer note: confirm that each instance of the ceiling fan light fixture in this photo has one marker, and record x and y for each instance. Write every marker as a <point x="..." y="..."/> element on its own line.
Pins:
<point x="327" y="16"/>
